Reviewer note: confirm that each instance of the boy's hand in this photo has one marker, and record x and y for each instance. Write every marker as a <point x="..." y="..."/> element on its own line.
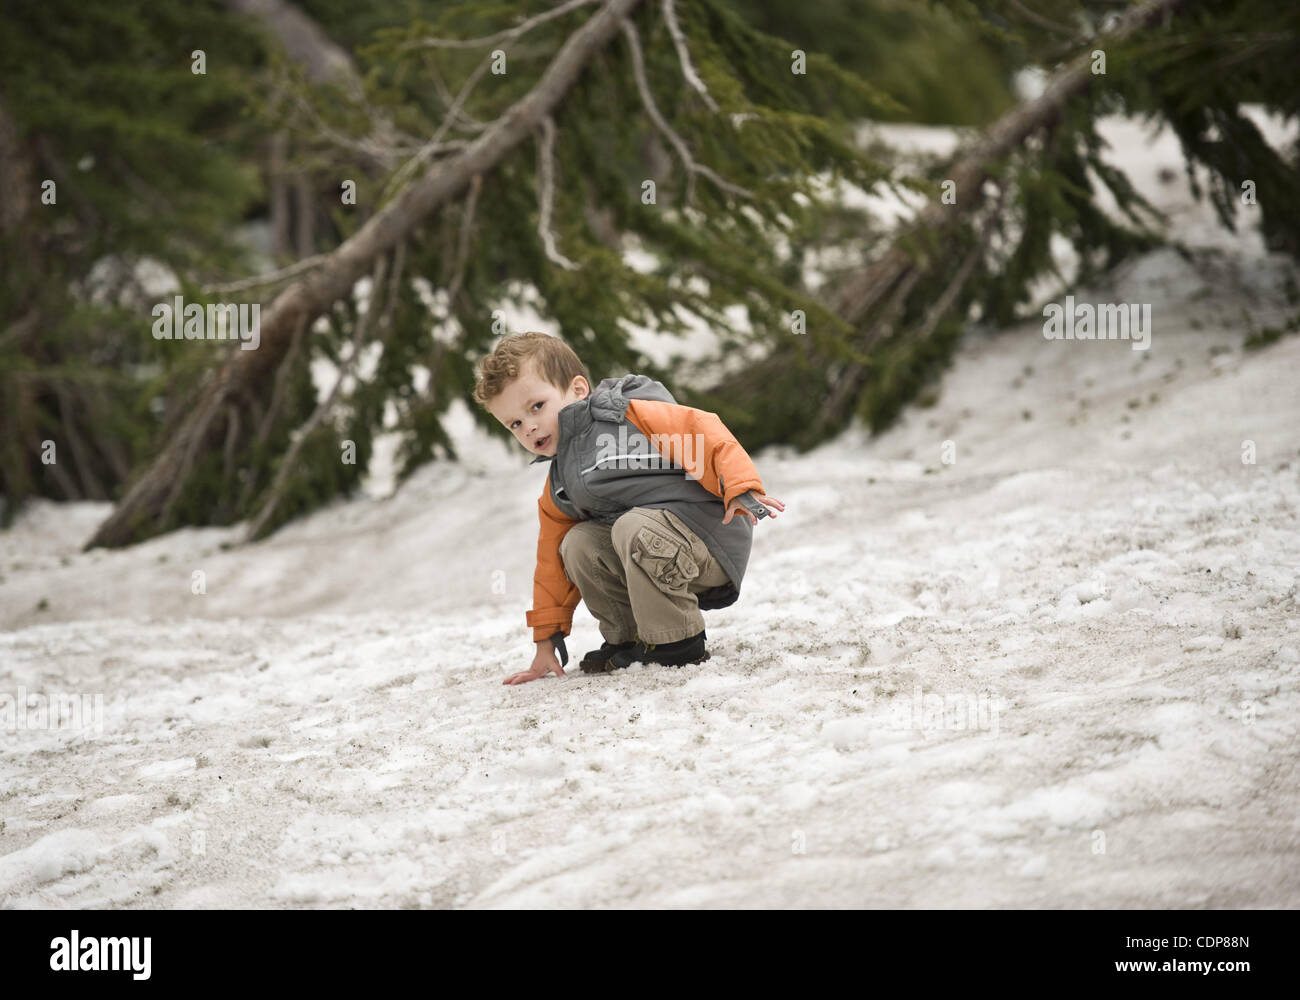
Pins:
<point x="544" y="662"/>
<point x="736" y="507"/>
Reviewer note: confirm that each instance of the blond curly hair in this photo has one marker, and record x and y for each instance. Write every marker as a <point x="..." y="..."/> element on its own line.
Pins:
<point x="547" y="357"/>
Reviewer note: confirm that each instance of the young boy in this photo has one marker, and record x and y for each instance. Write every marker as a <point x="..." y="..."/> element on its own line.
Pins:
<point x="638" y="514"/>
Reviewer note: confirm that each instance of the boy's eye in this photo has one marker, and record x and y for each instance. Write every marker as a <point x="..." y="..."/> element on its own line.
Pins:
<point x="535" y="406"/>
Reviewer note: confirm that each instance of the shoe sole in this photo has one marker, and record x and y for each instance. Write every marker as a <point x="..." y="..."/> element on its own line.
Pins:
<point x="597" y="666"/>
<point x="657" y="663"/>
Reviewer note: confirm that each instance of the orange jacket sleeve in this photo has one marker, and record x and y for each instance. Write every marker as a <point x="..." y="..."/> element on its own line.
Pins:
<point x="554" y="594"/>
<point x="700" y="442"/>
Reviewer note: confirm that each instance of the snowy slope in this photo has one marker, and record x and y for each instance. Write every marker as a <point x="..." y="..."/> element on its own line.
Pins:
<point x="1061" y="671"/>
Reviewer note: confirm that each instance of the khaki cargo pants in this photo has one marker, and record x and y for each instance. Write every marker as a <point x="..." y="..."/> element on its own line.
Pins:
<point x="639" y="576"/>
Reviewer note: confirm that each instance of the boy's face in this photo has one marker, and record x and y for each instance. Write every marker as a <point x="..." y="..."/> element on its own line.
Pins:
<point x="529" y="407"/>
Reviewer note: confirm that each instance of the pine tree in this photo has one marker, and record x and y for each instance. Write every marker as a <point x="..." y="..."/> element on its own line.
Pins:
<point x="1164" y="60"/>
<point x="112" y="149"/>
<point x="650" y="134"/>
<point x="685" y="131"/>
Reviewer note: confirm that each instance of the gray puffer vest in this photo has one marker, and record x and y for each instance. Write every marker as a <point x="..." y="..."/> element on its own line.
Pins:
<point x="588" y="486"/>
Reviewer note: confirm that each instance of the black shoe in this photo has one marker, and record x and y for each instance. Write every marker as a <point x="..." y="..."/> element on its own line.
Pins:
<point x="669" y="654"/>
<point x="597" y="661"/>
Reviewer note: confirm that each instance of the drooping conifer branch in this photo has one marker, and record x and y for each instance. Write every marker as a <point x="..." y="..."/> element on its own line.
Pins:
<point x="142" y="511"/>
<point x="901" y="267"/>
<point x="652" y="112"/>
<point x="546" y="193"/>
<point x="684" y="55"/>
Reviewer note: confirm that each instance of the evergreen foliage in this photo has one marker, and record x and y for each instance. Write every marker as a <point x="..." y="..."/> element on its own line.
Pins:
<point x="178" y="161"/>
<point x="148" y="160"/>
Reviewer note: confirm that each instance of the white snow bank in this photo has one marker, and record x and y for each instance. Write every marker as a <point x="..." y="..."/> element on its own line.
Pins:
<point x="1059" y="671"/>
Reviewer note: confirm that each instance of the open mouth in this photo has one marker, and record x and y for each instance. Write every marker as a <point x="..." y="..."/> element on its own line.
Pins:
<point x="542" y="442"/>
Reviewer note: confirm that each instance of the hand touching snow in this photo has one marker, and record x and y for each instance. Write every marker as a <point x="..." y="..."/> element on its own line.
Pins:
<point x="545" y="662"/>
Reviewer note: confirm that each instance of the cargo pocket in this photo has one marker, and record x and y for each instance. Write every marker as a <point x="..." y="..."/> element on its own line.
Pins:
<point x="666" y="561"/>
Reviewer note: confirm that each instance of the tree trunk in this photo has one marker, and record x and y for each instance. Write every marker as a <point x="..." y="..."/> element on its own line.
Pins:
<point x="142" y="510"/>
<point x="898" y="267"/>
<point x="872" y="299"/>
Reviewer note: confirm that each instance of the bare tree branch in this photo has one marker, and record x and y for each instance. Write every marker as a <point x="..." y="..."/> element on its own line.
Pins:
<point x="455" y="111"/>
<point x="652" y="110"/>
<point x="247" y="373"/>
<point x="232" y="439"/>
<point x="500" y="36"/>
<point x="683" y="53"/>
<point x="1041" y="21"/>
<point x="205" y="419"/>
<point x="466" y="120"/>
<point x="94" y="489"/>
<point x="856" y="372"/>
<point x="466" y="235"/>
<point x="266" y="418"/>
<point x="276" y="492"/>
<point x="269" y="278"/>
<point x="382" y="154"/>
<point x="968" y="172"/>
<point x="394" y="289"/>
<point x="545" y="193"/>
<point x="407" y="169"/>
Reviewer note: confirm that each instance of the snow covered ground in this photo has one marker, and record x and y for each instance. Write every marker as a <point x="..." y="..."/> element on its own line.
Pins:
<point x="1059" y="670"/>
